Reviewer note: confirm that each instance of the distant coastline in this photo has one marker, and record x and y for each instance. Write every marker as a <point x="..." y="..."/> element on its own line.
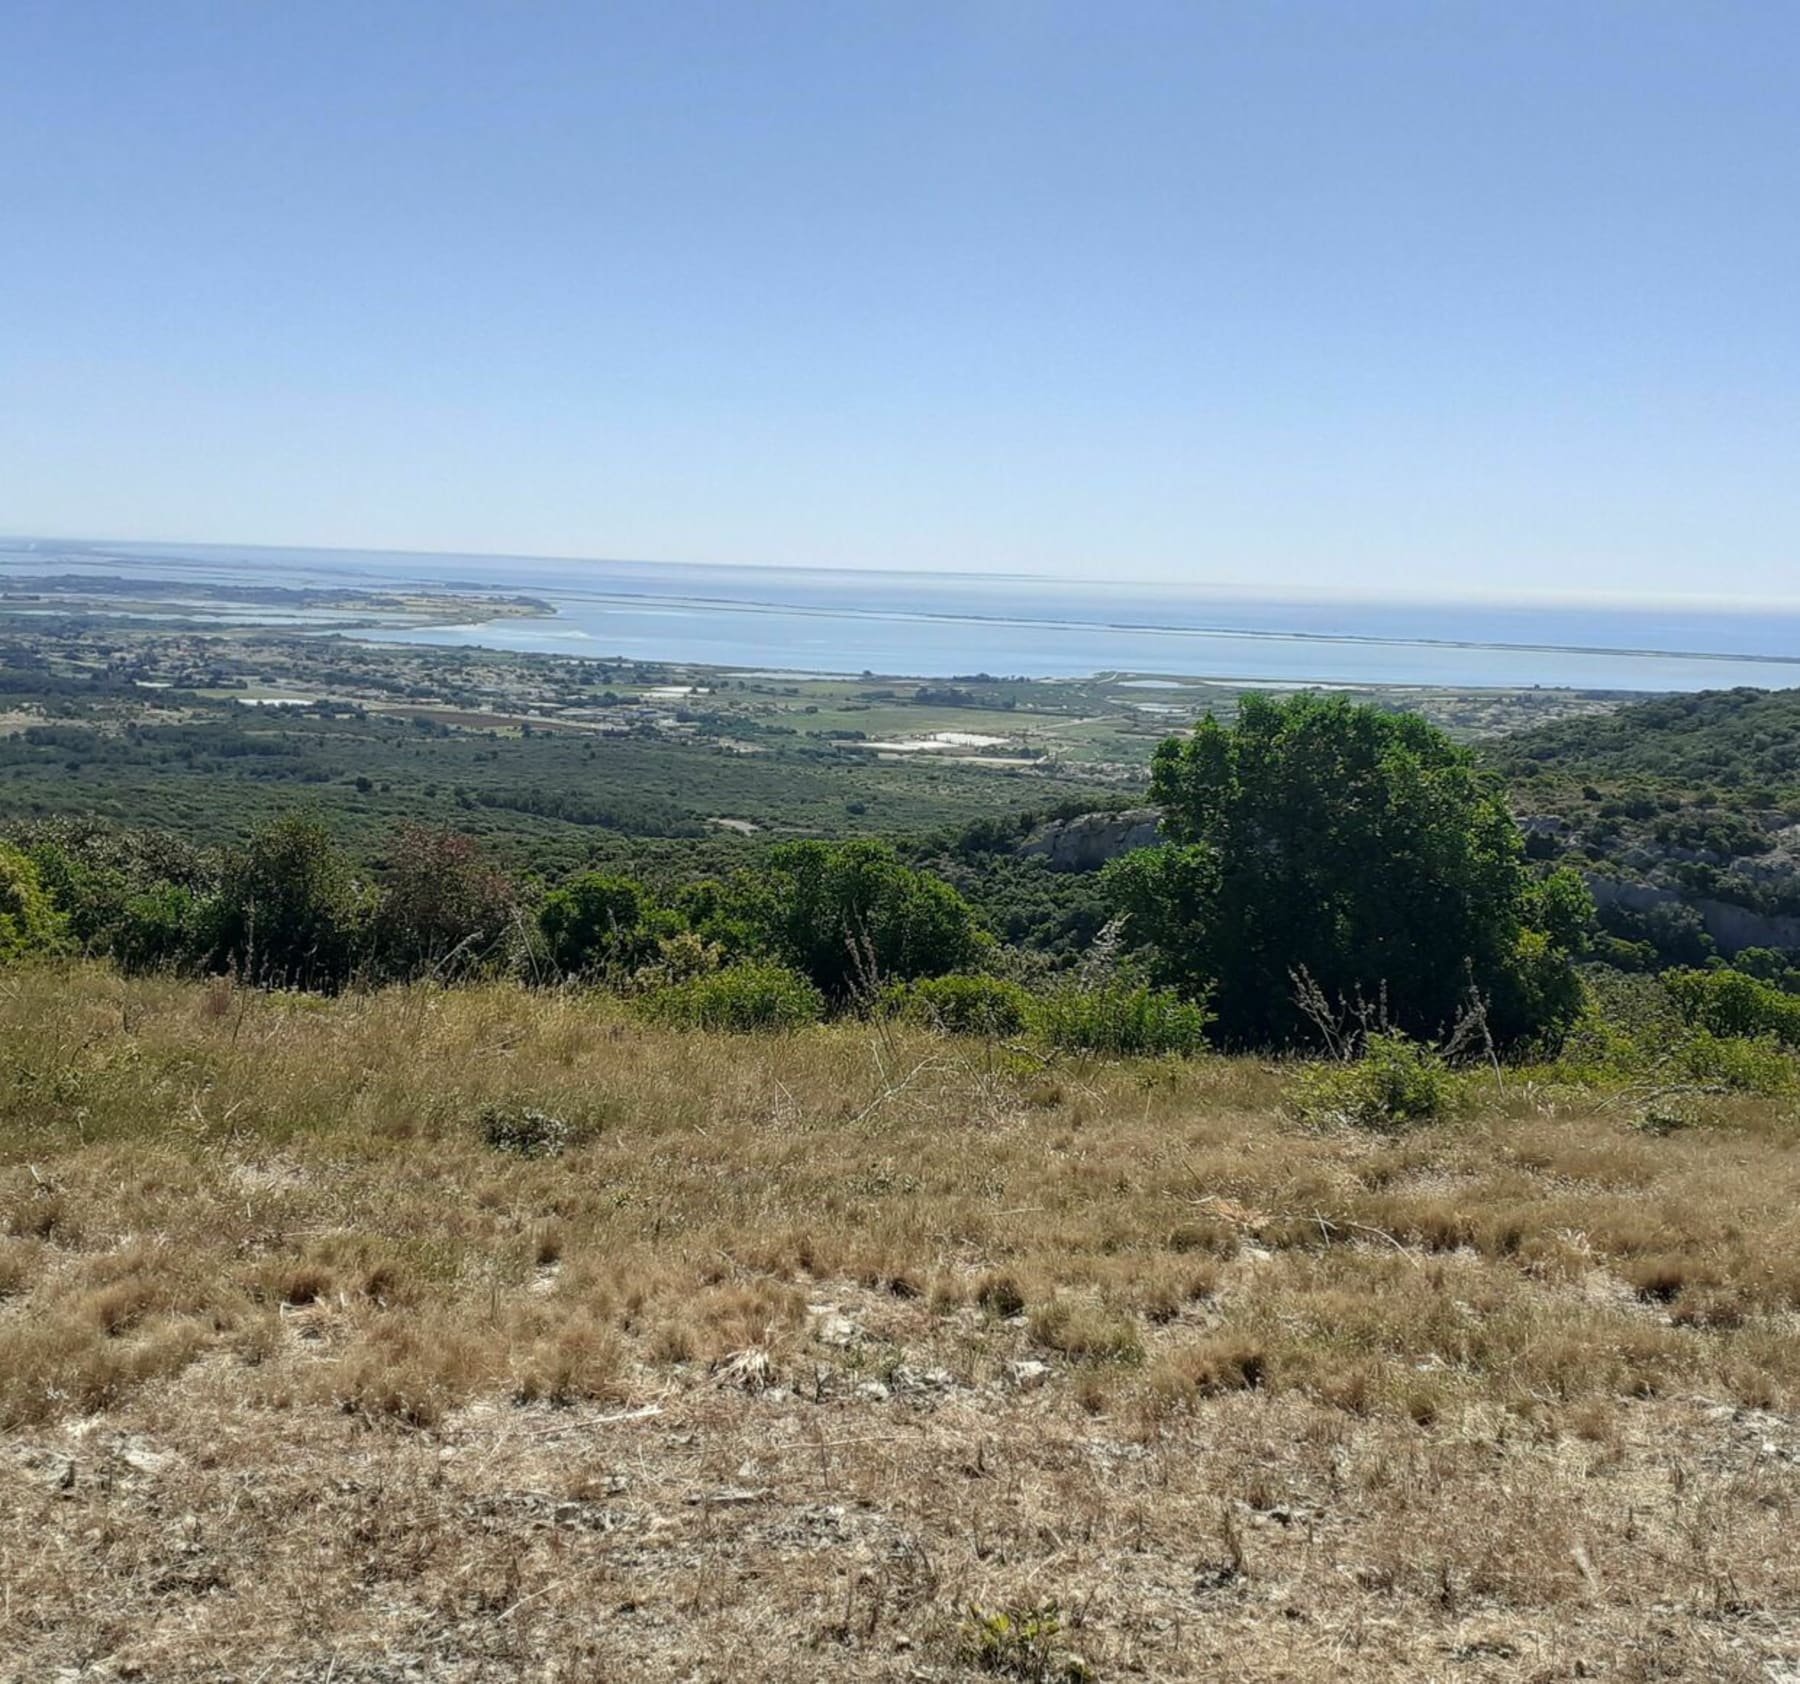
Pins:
<point x="1153" y="629"/>
<point x="940" y="625"/>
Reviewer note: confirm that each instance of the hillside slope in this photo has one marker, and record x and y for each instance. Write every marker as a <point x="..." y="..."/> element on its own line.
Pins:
<point x="444" y="1335"/>
<point x="1696" y="797"/>
<point x="1747" y="741"/>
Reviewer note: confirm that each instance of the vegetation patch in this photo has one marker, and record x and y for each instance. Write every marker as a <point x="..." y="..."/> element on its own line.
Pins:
<point x="523" y="1129"/>
<point x="746" y="998"/>
<point x="1393" y="1082"/>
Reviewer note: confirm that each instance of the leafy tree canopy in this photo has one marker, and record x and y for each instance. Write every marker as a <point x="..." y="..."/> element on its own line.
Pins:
<point x="29" y="921"/>
<point x="1360" y="846"/>
<point x="851" y="917"/>
<point x="601" y="922"/>
<point x="291" y="909"/>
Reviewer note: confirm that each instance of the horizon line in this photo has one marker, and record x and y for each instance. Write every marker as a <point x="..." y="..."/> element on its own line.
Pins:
<point x="1709" y="602"/>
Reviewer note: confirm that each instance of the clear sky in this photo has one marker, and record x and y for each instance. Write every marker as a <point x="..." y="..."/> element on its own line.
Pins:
<point x="1452" y="294"/>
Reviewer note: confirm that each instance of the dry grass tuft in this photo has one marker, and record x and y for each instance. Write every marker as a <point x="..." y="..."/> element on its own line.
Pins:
<point x="1209" y="1367"/>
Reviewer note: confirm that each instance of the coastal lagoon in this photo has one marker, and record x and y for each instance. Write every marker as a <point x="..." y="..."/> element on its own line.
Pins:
<point x="942" y="625"/>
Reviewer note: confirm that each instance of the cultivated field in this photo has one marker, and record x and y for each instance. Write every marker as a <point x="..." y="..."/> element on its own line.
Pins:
<point x="489" y="1335"/>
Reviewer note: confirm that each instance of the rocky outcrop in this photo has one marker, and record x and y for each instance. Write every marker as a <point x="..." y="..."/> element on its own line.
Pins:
<point x="1733" y="928"/>
<point x="1087" y="841"/>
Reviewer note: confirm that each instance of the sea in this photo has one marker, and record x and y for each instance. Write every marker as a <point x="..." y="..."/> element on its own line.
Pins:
<point x="941" y="625"/>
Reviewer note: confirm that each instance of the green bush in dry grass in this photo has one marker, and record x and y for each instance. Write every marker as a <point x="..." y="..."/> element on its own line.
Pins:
<point x="1119" y="1019"/>
<point x="1729" y="1003"/>
<point x="292" y="910"/>
<point x="1359" y="846"/>
<point x="960" y="1005"/>
<point x="1741" y="1063"/>
<point x="1697" y="1027"/>
<point x="601" y="923"/>
<point x="29" y="922"/>
<point x="1395" y="1082"/>
<point x="1021" y="1643"/>
<point x="743" y="999"/>
<point x="850" y="916"/>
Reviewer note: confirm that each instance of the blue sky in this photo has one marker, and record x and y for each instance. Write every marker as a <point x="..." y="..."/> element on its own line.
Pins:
<point x="1352" y="293"/>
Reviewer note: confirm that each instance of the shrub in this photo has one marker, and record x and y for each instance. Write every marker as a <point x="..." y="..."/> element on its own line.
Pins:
<point x="1768" y="964"/>
<point x="1536" y="998"/>
<point x="599" y="923"/>
<point x="1729" y="1003"/>
<point x="161" y="929"/>
<point x="444" y="906"/>
<point x="851" y="917"/>
<point x="1395" y="1082"/>
<point x="678" y="958"/>
<point x="290" y="912"/>
<point x="1119" y="1019"/>
<point x="1637" y="1027"/>
<point x="960" y="1004"/>
<point x="29" y="921"/>
<point x="142" y="897"/>
<point x="743" y="999"/>
<point x="1745" y="1064"/>
<point x="1021" y="1643"/>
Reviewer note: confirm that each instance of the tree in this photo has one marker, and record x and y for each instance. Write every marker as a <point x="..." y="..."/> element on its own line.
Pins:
<point x="851" y="917"/>
<point x="445" y="904"/>
<point x="599" y="922"/>
<point x="290" y="912"/>
<point x="1359" y="847"/>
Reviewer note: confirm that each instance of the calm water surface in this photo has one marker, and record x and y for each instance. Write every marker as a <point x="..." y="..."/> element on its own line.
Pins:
<point x="938" y="625"/>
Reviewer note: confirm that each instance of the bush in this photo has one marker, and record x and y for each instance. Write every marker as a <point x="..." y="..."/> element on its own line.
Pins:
<point x="1120" y="1019"/>
<point x="145" y="898"/>
<point x="599" y="923"/>
<point x="1729" y="1003"/>
<point x="1741" y="1063"/>
<point x="290" y="911"/>
<point x="1771" y="965"/>
<point x="1395" y="1082"/>
<point x="960" y="1005"/>
<point x="164" y="928"/>
<point x="851" y="917"/>
<point x="1537" y="998"/>
<point x="1634" y="1027"/>
<point x="444" y="906"/>
<point x="743" y="999"/>
<point x="29" y="921"/>
<point x="1022" y="1643"/>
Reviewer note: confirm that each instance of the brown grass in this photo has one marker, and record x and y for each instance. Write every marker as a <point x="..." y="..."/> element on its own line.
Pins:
<point x="298" y="1375"/>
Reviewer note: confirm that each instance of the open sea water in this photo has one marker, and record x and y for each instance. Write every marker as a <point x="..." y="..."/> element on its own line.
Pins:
<point x="941" y="625"/>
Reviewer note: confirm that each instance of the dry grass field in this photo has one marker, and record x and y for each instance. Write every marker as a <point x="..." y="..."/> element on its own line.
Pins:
<point x="848" y="1355"/>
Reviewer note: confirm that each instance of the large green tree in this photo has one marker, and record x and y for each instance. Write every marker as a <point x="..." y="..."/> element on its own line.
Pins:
<point x="1358" y="847"/>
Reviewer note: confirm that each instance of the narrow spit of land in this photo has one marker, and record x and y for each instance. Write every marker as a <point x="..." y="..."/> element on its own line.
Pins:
<point x="451" y="1336"/>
